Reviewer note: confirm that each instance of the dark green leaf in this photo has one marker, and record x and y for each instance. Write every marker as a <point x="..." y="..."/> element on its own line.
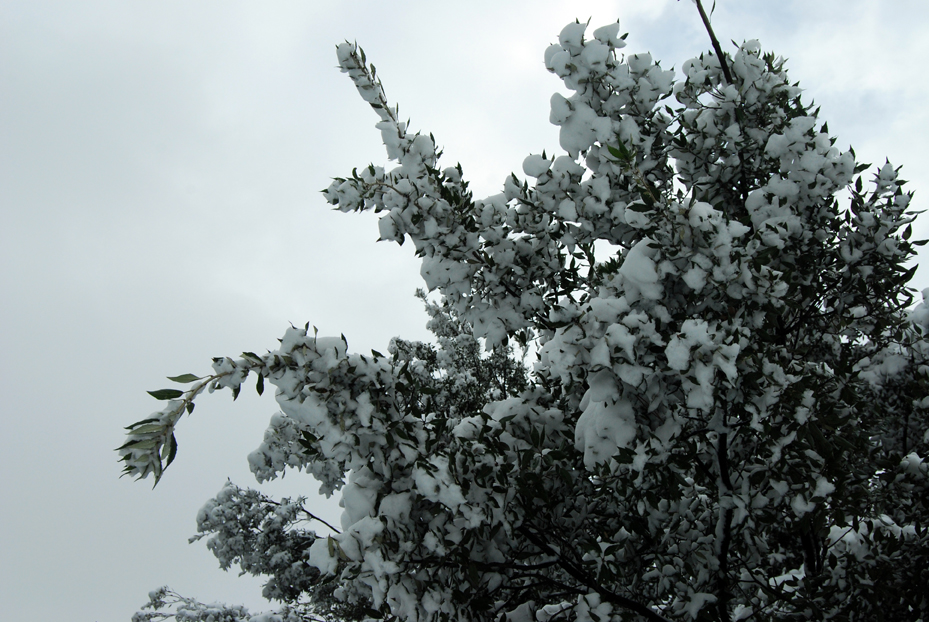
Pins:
<point x="129" y="444"/>
<point x="148" y="428"/>
<point x="144" y="421"/>
<point x="166" y="394"/>
<point x="620" y="154"/>
<point x="172" y="450"/>
<point x="260" y="386"/>
<point x="184" y="378"/>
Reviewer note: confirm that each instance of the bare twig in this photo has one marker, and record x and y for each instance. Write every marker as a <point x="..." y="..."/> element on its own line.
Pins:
<point x="715" y="41"/>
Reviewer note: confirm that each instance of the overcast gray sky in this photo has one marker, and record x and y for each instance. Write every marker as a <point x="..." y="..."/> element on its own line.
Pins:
<point x="160" y="164"/>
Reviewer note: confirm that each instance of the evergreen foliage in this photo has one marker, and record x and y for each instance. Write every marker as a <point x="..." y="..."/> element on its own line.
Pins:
<point x="726" y="419"/>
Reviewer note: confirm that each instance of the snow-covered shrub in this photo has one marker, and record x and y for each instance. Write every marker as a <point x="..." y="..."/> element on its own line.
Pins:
<point x="726" y="419"/>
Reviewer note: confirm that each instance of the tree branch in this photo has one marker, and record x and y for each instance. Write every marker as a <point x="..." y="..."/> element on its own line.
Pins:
<point x="722" y="578"/>
<point x="585" y="579"/>
<point x="715" y="42"/>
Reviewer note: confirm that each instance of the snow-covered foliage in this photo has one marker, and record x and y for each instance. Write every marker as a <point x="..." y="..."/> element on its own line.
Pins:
<point x="165" y="603"/>
<point x="727" y="418"/>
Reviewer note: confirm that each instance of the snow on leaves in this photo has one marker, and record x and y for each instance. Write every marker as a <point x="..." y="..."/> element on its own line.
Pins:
<point x="726" y="419"/>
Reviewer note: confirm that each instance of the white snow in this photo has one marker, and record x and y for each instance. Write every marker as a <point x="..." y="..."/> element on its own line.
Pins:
<point x="640" y="273"/>
<point x="536" y="166"/>
<point x="602" y="428"/>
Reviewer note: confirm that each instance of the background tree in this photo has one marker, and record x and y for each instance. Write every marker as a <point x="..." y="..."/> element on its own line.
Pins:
<point x="726" y="419"/>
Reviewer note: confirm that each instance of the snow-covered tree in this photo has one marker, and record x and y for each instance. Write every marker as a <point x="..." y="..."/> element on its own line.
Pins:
<point x="269" y="538"/>
<point x="727" y="417"/>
